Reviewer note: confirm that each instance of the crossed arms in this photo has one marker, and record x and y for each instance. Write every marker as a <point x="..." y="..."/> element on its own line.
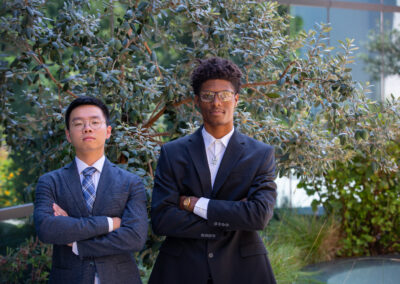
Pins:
<point x="92" y="235"/>
<point x="251" y="213"/>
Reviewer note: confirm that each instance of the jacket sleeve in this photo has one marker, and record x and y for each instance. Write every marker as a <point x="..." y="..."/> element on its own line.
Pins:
<point x="254" y="213"/>
<point x="167" y="219"/>
<point x="62" y="230"/>
<point x="132" y="234"/>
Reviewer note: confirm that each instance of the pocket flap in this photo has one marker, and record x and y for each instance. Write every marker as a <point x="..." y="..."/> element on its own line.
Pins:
<point x="252" y="249"/>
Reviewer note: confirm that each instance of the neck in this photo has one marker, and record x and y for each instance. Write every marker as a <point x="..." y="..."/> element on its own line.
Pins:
<point x="218" y="131"/>
<point x="89" y="158"/>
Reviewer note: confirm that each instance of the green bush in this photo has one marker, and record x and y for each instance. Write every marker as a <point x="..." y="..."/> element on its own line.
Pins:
<point x="29" y="263"/>
<point x="295" y="241"/>
<point x="367" y="199"/>
<point x="317" y="237"/>
<point x="11" y="235"/>
<point x="9" y="196"/>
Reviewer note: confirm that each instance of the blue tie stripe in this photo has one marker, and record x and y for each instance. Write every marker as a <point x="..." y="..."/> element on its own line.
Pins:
<point x="88" y="187"/>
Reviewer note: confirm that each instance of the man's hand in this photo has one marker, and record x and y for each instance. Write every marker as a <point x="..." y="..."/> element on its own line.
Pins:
<point x="58" y="211"/>
<point x="116" y="223"/>
<point x="193" y="201"/>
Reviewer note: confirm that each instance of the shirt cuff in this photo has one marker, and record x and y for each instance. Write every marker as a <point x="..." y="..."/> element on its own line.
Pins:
<point x="110" y="224"/>
<point x="200" y="209"/>
<point x="75" y="248"/>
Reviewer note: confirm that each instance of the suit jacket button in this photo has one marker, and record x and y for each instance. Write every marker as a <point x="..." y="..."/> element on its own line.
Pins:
<point x="210" y="255"/>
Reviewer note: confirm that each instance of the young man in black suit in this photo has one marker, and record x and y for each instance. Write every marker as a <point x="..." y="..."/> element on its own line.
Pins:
<point x="213" y="190"/>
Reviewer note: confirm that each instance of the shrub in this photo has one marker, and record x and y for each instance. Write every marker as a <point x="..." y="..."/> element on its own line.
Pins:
<point x="8" y="195"/>
<point x="295" y="241"/>
<point x="29" y="263"/>
<point x="367" y="200"/>
<point x="317" y="237"/>
<point x="11" y="235"/>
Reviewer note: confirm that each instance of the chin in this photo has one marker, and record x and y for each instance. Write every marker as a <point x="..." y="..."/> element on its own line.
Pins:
<point x="217" y="123"/>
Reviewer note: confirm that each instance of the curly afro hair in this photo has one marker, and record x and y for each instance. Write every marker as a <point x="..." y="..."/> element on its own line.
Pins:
<point x="215" y="68"/>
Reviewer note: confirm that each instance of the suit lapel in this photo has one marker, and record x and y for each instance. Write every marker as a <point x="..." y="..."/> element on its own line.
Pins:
<point x="73" y="182"/>
<point x="197" y="152"/>
<point x="105" y="183"/>
<point x="232" y="154"/>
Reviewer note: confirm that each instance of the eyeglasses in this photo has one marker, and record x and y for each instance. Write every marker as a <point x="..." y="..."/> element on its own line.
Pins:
<point x="93" y="123"/>
<point x="209" y="96"/>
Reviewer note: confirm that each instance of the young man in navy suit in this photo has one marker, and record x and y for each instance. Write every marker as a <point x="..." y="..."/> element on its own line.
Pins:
<point x="213" y="190"/>
<point x="93" y="212"/>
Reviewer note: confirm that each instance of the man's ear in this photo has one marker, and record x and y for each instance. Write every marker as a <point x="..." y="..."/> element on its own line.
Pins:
<point x="109" y="128"/>
<point x="236" y="99"/>
<point x="67" y="135"/>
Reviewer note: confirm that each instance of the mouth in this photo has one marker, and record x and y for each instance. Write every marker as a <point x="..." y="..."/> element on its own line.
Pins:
<point x="89" y="138"/>
<point x="216" y="112"/>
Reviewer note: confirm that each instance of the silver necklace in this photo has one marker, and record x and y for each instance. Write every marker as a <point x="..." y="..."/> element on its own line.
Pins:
<point x="214" y="159"/>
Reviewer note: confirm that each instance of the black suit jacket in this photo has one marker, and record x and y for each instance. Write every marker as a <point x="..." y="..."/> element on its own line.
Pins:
<point x="226" y="246"/>
<point x="119" y="194"/>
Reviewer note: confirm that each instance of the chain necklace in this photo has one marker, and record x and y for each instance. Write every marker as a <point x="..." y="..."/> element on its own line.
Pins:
<point x="214" y="159"/>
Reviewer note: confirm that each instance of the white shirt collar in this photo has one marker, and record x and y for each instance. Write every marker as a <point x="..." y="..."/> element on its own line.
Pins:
<point x="209" y="139"/>
<point x="82" y="165"/>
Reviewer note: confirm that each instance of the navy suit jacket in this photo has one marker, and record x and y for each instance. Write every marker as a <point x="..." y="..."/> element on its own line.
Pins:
<point x="226" y="246"/>
<point x="119" y="194"/>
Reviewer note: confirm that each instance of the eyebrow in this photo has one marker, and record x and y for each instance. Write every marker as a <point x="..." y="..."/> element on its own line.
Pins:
<point x="81" y="118"/>
<point x="217" y="91"/>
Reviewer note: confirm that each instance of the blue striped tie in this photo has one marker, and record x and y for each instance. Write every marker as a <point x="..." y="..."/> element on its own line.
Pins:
<point x="88" y="187"/>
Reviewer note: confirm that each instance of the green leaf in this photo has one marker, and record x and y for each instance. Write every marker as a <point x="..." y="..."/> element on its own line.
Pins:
<point x="273" y="95"/>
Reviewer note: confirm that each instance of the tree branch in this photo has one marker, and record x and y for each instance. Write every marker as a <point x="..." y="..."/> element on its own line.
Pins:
<point x="150" y="168"/>
<point x="153" y="119"/>
<point x="150" y="52"/>
<point x="266" y="83"/>
<point x="31" y="53"/>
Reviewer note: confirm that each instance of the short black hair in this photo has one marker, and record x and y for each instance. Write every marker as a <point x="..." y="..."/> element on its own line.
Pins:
<point x="86" y="100"/>
<point x="215" y="68"/>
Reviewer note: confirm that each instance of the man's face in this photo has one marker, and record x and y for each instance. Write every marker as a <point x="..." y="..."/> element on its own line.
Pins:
<point x="82" y="133"/>
<point x="218" y="112"/>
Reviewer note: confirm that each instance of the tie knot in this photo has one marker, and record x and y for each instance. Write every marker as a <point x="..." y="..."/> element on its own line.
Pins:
<point x="89" y="171"/>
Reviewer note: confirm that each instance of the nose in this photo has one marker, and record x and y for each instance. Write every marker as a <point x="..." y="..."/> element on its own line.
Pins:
<point x="87" y="128"/>
<point x="216" y="100"/>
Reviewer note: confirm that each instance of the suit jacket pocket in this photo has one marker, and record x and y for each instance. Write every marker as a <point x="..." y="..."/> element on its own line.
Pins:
<point x="252" y="249"/>
<point x="118" y="202"/>
<point x="171" y="247"/>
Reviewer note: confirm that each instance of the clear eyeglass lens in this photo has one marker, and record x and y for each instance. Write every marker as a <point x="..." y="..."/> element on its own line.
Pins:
<point x="93" y="123"/>
<point x="209" y="96"/>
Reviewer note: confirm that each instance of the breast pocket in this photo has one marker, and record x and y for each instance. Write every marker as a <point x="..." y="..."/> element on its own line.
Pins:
<point x="117" y="203"/>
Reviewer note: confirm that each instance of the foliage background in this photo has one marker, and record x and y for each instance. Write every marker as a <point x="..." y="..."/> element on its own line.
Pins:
<point x="137" y="56"/>
<point x="8" y="194"/>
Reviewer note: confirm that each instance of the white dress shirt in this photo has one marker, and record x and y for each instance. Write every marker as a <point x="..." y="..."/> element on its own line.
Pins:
<point x="96" y="177"/>
<point x="215" y="150"/>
